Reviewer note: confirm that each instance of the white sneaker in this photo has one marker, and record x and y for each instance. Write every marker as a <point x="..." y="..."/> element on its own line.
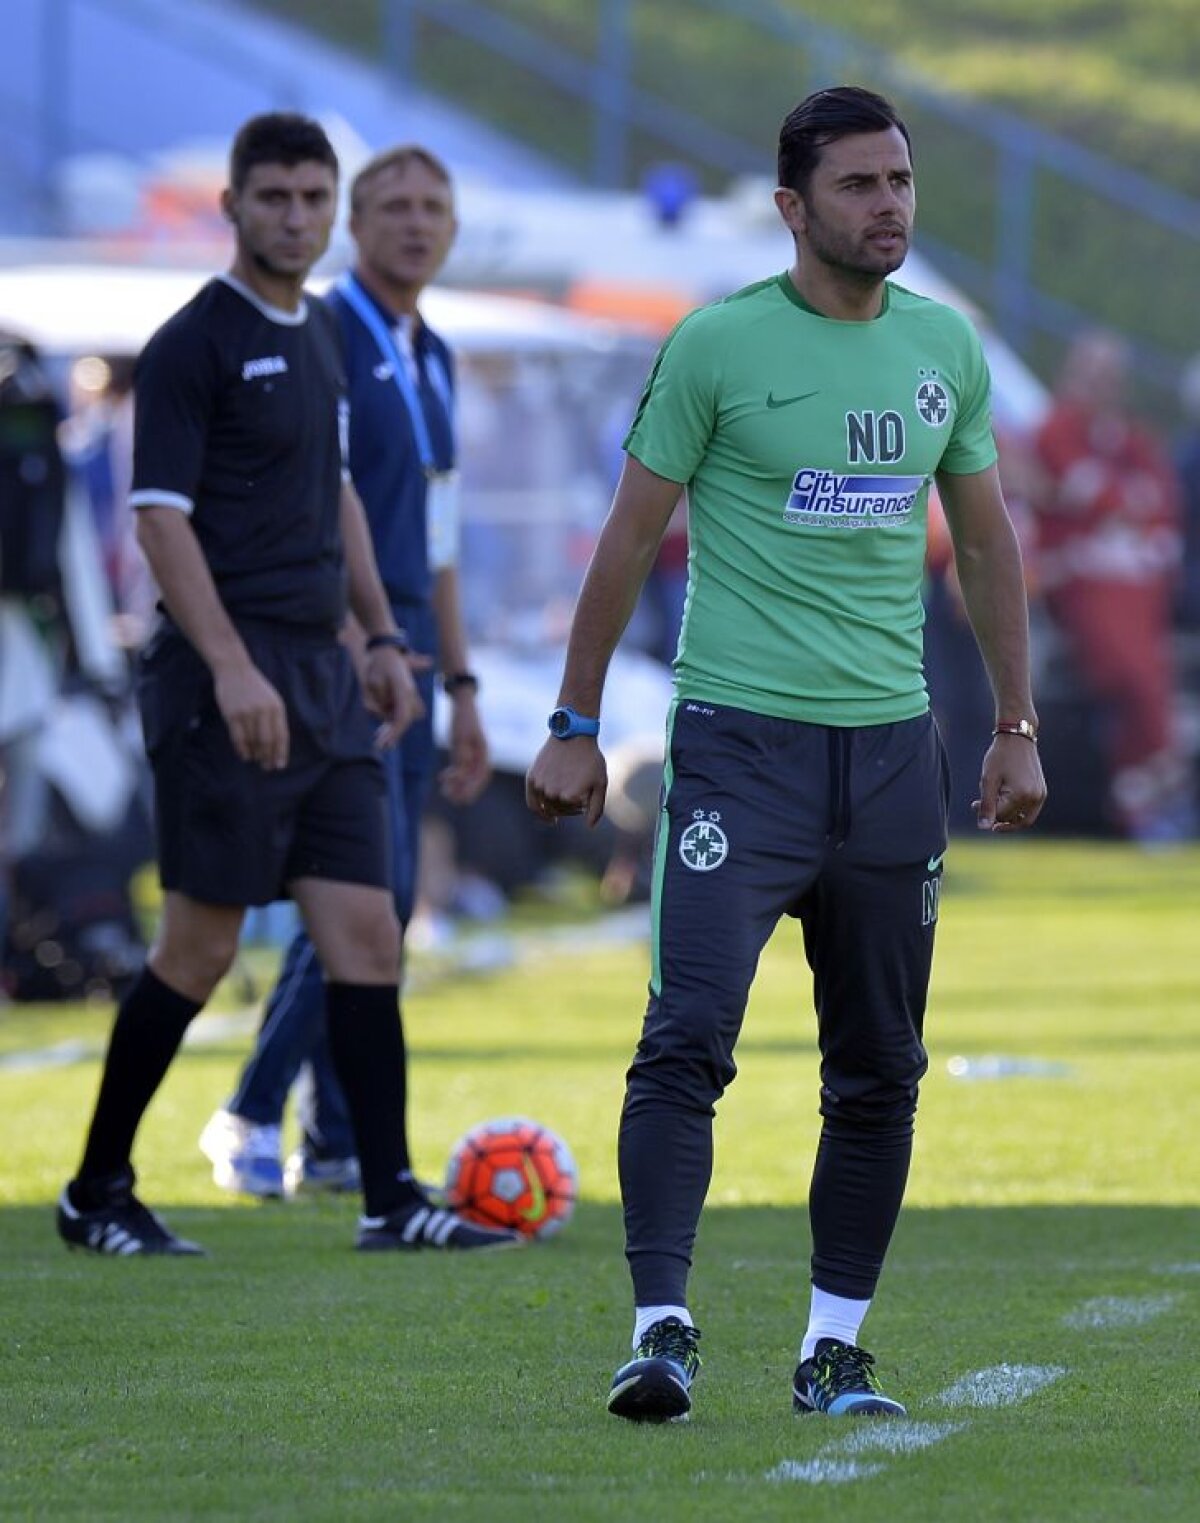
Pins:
<point x="244" y="1156"/>
<point x="305" y="1175"/>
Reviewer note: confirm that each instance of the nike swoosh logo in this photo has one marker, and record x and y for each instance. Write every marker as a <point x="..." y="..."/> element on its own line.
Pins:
<point x="536" y="1208"/>
<point x="934" y="863"/>
<point x="773" y="401"/>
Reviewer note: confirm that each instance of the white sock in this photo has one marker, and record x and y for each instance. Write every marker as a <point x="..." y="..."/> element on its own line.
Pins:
<point x="832" y="1316"/>
<point x="645" y="1317"/>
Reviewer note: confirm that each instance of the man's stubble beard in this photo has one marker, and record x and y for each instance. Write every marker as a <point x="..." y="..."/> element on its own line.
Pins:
<point x="852" y="259"/>
<point x="263" y="263"/>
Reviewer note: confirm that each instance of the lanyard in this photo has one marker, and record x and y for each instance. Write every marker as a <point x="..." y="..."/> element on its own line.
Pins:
<point x="368" y="314"/>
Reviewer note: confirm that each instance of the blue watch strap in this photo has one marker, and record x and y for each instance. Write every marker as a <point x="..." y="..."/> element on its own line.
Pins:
<point x="566" y="722"/>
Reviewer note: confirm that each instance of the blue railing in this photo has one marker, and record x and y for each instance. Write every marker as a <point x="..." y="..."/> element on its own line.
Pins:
<point x="605" y="85"/>
<point x="1004" y="283"/>
<point x="619" y="110"/>
<point x="38" y="104"/>
<point x="172" y="22"/>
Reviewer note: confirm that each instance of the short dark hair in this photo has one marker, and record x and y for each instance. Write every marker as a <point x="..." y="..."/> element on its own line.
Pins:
<point x="278" y="137"/>
<point x="399" y="157"/>
<point x="822" y="118"/>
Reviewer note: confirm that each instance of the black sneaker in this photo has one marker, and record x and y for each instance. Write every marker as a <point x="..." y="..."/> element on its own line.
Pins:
<point x="425" y="1225"/>
<point x="839" y="1380"/>
<point x="120" y="1224"/>
<point x="655" y="1386"/>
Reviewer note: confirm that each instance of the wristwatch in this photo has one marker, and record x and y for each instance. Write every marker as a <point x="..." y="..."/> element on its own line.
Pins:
<point x="564" y="723"/>
<point x="394" y="639"/>
<point x="1023" y="727"/>
<point x="459" y="682"/>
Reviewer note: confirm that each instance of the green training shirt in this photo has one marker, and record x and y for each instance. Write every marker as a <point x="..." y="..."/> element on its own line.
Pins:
<point x="807" y="446"/>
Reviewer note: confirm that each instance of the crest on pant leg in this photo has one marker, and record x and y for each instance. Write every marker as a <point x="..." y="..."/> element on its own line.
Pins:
<point x="703" y="846"/>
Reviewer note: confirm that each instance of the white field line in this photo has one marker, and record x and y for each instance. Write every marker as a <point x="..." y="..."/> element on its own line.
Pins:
<point x="896" y="1437"/>
<point x="491" y="951"/>
<point x="59" y="1055"/>
<point x="1118" y="1311"/>
<point x="485" y="953"/>
<point x="820" y="1472"/>
<point x="839" y="1462"/>
<point x="1003" y="1385"/>
<point x="1193" y="1268"/>
<point x="207" y="1031"/>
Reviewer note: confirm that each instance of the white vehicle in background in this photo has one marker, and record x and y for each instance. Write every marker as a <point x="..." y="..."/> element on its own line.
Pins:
<point x="544" y="397"/>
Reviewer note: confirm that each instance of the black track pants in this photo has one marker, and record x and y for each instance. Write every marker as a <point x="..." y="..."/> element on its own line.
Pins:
<point x="846" y="829"/>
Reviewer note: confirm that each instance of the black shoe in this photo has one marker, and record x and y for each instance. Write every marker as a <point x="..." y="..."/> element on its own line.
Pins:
<point x="840" y="1381"/>
<point x="119" y="1224"/>
<point x="425" y="1225"/>
<point x="655" y="1386"/>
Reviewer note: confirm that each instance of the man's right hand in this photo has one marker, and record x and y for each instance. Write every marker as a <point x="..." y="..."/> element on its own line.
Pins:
<point x="254" y="714"/>
<point x="568" y="777"/>
<point x="390" y="690"/>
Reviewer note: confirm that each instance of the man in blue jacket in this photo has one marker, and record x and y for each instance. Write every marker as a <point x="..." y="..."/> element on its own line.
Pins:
<point x="403" y="463"/>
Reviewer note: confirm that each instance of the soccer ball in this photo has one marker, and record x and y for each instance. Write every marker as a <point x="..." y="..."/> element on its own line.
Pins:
<point x="513" y="1173"/>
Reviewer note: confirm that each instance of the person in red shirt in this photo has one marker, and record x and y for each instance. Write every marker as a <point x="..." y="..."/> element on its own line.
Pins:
<point x="1106" y="500"/>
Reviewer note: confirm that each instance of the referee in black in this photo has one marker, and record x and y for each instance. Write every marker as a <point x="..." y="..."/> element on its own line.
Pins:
<point x="267" y="781"/>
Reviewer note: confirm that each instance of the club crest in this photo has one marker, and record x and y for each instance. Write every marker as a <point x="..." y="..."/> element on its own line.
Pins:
<point x="703" y="846"/>
<point x="933" y="403"/>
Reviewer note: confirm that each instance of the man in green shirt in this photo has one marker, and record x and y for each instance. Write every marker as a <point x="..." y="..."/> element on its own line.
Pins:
<point x="806" y="416"/>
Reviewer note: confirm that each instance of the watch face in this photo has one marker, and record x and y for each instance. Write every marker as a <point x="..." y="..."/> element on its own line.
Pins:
<point x="565" y="723"/>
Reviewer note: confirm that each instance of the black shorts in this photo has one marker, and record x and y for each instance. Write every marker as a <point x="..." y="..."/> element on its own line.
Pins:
<point x="230" y="832"/>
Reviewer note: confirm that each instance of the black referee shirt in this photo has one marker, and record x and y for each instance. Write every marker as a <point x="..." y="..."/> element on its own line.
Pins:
<point x="239" y="414"/>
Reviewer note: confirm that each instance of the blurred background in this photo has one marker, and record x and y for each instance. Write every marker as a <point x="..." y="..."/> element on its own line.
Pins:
<point x="614" y="161"/>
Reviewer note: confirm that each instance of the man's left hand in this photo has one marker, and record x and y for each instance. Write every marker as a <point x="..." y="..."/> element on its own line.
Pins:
<point x="1012" y="789"/>
<point x="470" y="766"/>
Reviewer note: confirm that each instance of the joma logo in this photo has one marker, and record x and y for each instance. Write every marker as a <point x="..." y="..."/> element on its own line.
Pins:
<point x="269" y="364"/>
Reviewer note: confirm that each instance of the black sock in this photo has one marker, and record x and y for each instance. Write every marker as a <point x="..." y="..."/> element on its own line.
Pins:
<point x="366" y="1041"/>
<point x="146" y="1034"/>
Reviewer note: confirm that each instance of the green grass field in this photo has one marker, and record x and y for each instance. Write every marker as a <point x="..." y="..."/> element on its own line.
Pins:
<point x="1040" y="1312"/>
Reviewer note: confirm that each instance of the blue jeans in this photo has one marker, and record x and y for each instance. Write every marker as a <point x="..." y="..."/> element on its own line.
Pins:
<point x="293" y="1026"/>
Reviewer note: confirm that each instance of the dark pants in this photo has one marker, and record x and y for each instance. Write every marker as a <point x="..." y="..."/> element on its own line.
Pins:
<point x="844" y="829"/>
<point x="293" y="1031"/>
